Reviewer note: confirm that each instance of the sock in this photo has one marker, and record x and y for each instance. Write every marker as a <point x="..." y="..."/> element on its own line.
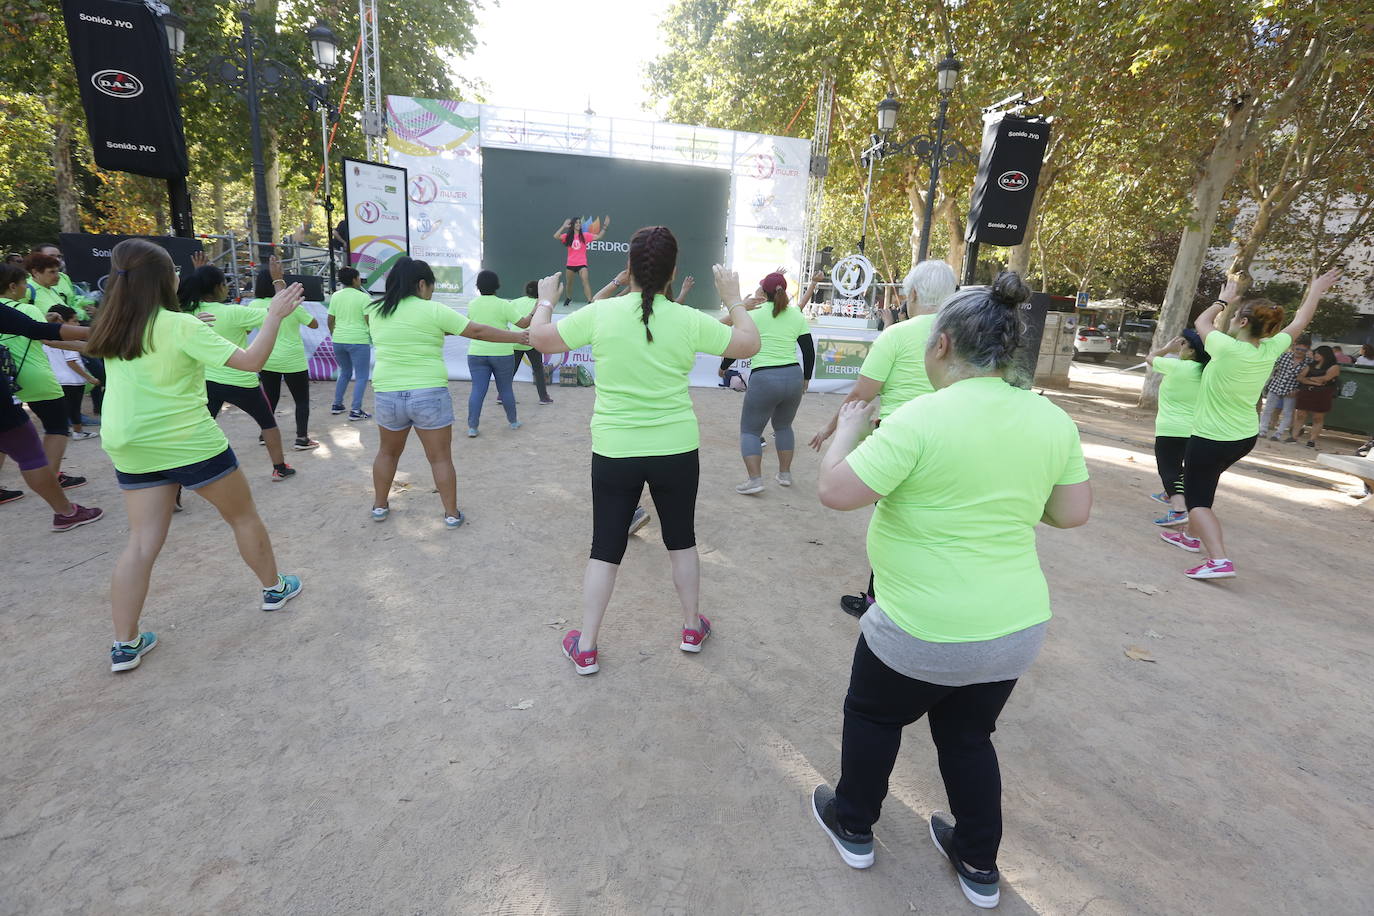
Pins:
<point x="132" y="644"/>
<point x="281" y="584"/>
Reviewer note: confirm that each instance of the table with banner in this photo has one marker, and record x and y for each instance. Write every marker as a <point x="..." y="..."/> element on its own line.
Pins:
<point x="840" y="351"/>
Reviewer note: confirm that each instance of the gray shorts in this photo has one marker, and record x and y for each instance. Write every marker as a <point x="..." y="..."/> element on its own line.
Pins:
<point x="422" y="408"/>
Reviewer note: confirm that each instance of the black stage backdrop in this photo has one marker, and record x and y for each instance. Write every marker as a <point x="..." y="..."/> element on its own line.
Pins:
<point x="527" y="195"/>
<point x="88" y="256"/>
<point x="128" y="88"/>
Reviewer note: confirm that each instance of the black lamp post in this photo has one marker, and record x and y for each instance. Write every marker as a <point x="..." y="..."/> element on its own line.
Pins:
<point x="325" y="48"/>
<point x="936" y="150"/>
<point x="247" y="73"/>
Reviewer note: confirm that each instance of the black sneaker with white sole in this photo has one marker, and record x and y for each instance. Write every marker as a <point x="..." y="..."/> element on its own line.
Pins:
<point x="855" y="848"/>
<point x="336" y="409"/>
<point x="980" y="887"/>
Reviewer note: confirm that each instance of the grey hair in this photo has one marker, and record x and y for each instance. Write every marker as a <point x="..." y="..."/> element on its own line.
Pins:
<point x="984" y="325"/>
<point x="929" y="284"/>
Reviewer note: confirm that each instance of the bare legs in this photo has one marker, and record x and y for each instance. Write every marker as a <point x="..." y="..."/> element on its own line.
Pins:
<point x="598" y="582"/>
<point x="150" y="514"/>
<point x="784" y="461"/>
<point x="55" y="447"/>
<point x="687" y="580"/>
<point x="44" y="483"/>
<point x="438" y="445"/>
<point x="586" y="283"/>
<point x="274" y="450"/>
<point x="1204" y="524"/>
<point x="753" y="465"/>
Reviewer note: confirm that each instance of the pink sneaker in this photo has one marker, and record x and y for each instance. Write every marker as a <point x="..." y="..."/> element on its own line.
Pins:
<point x="1213" y="569"/>
<point x="81" y="515"/>
<point x="1179" y="539"/>
<point x="692" y="639"/>
<point x="583" y="662"/>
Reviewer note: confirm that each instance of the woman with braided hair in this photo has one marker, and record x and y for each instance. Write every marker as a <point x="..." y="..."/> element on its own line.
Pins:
<point x="963" y="474"/>
<point x="643" y="427"/>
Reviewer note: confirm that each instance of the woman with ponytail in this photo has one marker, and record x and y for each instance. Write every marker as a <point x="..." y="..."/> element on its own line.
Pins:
<point x="204" y="292"/>
<point x="643" y="427"/>
<point x="410" y="380"/>
<point x="963" y="474"/>
<point x="776" y="381"/>
<point x="1225" y="424"/>
<point x="574" y="237"/>
<point x="160" y="436"/>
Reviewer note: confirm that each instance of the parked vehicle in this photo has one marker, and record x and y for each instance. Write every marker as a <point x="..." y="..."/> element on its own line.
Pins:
<point x="1136" y="336"/>
<point x="1094" y="343"/>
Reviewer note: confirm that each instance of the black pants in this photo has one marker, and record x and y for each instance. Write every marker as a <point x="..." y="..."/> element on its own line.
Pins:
<point x="618" y="484"/>
<point x="880" y="704"/>
<point x="298" y="383"/>
<point x="72" y="396"/>
<point x="52" y="414"/>
<point x="96" y="367"/>
<point x="537" y="365"/>
<point x="1204" y="463"/>
<point x="1169" y="455"/>
<point x="251" y="401"/>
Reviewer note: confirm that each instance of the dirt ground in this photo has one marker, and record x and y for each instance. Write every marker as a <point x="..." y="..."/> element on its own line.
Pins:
<point x="406" y="737"/>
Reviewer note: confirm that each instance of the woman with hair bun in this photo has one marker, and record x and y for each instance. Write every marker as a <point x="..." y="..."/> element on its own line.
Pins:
<point x="1225" y="424"/>
<point x="963" y="475"/>
<point x="643" y="427"/>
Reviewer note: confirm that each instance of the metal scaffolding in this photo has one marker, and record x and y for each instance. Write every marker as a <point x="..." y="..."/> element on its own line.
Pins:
<point x="374" y="124"/>
<point x="820" y="168"/>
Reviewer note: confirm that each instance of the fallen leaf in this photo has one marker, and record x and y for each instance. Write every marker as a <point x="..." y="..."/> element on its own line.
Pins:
<point x="1130" y="457"/>
<point x="523" y="704"/>
<point x="1139" y="654"/>
<point x="1143" y="589"/>
<point x="557" y="623"/>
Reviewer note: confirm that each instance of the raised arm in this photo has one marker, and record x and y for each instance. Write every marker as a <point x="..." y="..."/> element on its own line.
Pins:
<point x="1230" y="300"/>
<point x="610" y="289"/>
<point x="1172" y="346"/>
<point x="744" y="335"/>
<point x="687" y="285"/>
<point x="1318" y="288"/>
<point x="543" y="335"/>
<point x="283" y="304"/>
<point x="558" y="236"/>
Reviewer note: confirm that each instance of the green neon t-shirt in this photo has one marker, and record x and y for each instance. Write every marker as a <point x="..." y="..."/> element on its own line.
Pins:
<point x="497" y="312"/>
<point x="1232" y="383"/>
<point x="1178" y="394"/>
<point x="410" y="344"/>
<point x="154" y="416"/>
<point x="643" y="406"/>
<point x="897" y="360"/>
<point x="777" y="336"/>
<point x="36" y="381"/>
<point x="965" y="473"/>
<point x="347" y="306"/>
<point x="288" y="353"/>
<point x="233" y="322"/>
<point x="523" y="306"/>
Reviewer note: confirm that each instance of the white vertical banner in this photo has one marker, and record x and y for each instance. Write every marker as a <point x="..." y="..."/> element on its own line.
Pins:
<point x="375" y="214"/>
<point x="437" y="142"/>
<point x="768" y="206"/>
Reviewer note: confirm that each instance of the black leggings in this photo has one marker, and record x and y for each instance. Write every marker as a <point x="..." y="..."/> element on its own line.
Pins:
<point x="251" y="401"/>
<point x="881" y="702"/>
<point x="1169" y="453"/>
<point x="537" y="367"/>
<point x="96" y="367"/>
<point x="298" y="383"/>
<point x="52" y="414"/>
<point x="618" y="484"/>
<point x="1204" y="463"/>
<point x="73" y="395"/>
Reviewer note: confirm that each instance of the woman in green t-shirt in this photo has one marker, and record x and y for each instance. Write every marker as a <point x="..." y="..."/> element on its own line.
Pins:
<point x="159" y="434"/>
<point x="1178" y="393"/>
<point x="1243" y="351"/>
<point x="410" y="381"/>
<point x="964" y="474"/>
<point x="287" y="362"/>
<point x="643" y="428"/>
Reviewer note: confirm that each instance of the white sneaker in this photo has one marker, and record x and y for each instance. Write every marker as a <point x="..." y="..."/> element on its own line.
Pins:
<point x="752" y="485"/>
<point x="784" y="478"/>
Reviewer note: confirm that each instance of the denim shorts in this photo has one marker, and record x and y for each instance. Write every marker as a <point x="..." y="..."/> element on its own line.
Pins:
<point x="423" y="408"/>
<point x="191" y="476"/>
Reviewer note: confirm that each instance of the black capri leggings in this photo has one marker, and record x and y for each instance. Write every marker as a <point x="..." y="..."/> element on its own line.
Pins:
<point x="618" y="484"/>
<point x="1204" y="463"/>
<point x="52" y="415"/>
<point x="251" y="401"/>
<point x="298" y="383"/>
<point x="1169" y="453"/>
<point x="73" y="395"/>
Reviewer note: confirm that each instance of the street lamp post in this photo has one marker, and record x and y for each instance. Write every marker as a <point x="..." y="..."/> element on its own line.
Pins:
<point x="247" y="75"/>
<point x="947" y="73"/>
<point x="319" y="101"/>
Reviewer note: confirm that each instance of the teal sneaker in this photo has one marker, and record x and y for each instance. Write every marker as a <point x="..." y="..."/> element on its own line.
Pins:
<point x="980" y="887"/>
<point x="274" y="598"/>
<point x="855" y="848"/>
<point x="126" y="658"/>
<point x="454" y="521"/>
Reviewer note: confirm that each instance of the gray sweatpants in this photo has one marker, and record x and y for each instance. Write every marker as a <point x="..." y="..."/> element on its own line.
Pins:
<point x="774" y="394"/>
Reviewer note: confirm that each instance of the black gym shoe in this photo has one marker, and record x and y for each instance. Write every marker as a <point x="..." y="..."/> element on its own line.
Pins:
<point x="336" y="409"/>
<point x="855" y="848"/>
<point x="9" y="496"/>
<point x="980" y="887"/>
<point x="855" y="605"/>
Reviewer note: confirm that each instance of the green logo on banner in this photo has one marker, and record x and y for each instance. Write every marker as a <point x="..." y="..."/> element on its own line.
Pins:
<point x="448" y="280"/>
<point x="838" y="358"/>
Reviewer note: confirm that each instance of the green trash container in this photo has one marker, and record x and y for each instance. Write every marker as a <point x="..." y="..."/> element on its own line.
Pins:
<point x="1353" y="411"/>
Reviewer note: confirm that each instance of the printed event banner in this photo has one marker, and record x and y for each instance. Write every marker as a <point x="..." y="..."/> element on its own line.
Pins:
<point x="436" y="142"/>
<point x="376" y="212"/>
<point x="839" y="358"/>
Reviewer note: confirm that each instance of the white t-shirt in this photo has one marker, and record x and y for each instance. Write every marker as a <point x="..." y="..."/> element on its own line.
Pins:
<point x="61" y="360"/>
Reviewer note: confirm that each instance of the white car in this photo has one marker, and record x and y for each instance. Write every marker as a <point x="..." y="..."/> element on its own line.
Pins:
<point x="1092" y="343"/>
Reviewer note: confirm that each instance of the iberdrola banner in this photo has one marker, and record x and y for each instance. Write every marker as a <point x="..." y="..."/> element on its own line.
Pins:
<point x="376" y="216"/>
<point x="437" y="143"/>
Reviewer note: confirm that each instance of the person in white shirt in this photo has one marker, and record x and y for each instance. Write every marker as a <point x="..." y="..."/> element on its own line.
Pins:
<point x="70" y="371"/>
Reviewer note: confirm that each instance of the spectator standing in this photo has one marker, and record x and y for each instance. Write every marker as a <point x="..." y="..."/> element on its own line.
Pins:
<point x="1280" y="392"/>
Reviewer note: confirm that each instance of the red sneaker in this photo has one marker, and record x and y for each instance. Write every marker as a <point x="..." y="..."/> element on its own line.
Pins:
<point x="583" y="662"/>
<point x="1213" y="569"/>
<point x="80" y="516"/>
<point x="1181" y="540"/>
<point x="692" y="639"/>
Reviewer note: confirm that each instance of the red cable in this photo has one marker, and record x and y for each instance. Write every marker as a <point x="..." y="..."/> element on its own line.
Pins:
<point x="348" y="80"/>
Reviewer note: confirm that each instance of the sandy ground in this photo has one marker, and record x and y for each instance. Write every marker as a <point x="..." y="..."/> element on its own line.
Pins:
<point x="365" y="750"/>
